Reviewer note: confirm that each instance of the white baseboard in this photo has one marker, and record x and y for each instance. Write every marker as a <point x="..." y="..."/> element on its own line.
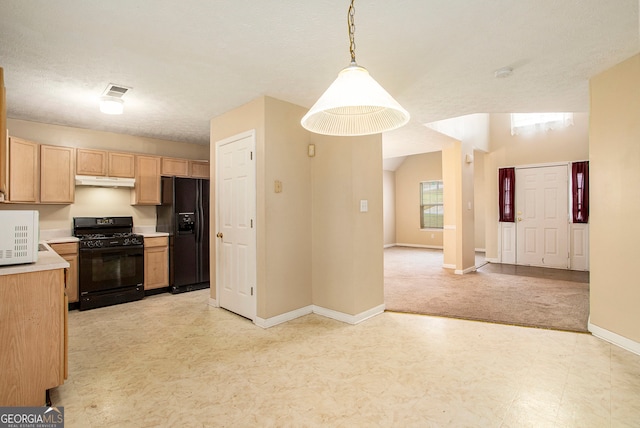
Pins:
<point x="213" y="302"/>
<point x="614" y="338"/>
<point x="481" y="250"/>
<point x="492" y="259"/>
<point x="329" y="313"/>
<point x="346" y="318"/>
<point x="279" y="319"/>
<point x="432" y="247"/>
<point x="465" y="271"/>
<point x="389" y="245"/>
<point x="448" y="266"/>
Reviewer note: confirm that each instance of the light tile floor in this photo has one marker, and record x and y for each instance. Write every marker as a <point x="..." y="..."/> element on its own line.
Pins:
<point x="174" y="361"/>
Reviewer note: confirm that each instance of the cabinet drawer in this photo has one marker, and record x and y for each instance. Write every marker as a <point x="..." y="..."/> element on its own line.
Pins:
<point x="65" y="248"/>
<point x="160" y="241"/>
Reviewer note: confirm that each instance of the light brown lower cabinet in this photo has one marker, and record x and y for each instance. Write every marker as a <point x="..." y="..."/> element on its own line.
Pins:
<point x="156" y="262"/>
<point x="33" y="338"/>
<point x="69" y="252"/>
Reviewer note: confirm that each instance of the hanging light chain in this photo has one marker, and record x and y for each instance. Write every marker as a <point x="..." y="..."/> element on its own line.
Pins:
<point x="352" y="29"/>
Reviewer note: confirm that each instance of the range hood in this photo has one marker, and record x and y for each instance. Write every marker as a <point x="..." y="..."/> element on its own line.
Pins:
<point x="87" y="180"/>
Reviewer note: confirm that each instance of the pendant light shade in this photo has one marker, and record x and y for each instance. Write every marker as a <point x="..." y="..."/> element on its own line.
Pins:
<point x="354" y="104"/>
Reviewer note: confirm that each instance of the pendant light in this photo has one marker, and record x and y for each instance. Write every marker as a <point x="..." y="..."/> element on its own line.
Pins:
<point x="354" y="104"/>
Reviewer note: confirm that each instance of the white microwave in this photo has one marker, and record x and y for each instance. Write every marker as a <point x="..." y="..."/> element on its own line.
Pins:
<point x="19" y="235"/>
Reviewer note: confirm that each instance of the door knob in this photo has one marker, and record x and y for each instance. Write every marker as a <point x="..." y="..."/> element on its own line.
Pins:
<point x="519" y="218"/>
<point x="219" y="235"/>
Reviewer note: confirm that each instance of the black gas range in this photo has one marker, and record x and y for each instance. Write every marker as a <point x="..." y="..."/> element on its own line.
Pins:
<point x="110" y="261"/>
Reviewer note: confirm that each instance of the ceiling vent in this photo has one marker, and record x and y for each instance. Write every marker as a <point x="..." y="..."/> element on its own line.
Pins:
<point x="115" y="91"/>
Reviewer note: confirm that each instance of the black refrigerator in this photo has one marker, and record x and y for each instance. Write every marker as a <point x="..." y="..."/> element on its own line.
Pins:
<point x="184" y="214"/>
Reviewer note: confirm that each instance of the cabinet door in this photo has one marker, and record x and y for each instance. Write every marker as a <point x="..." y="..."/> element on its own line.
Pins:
<point x="23" y="170"/>
<point x="175" y="167"/>
<point x="57" y="178"/>
<point x="32" y="329"/>
<point x="69" y="252"/>
<point x="121" y="165"/>
<point x="147" y="187"/>
<point x="156" y="267"/>
<point x="91" y="162"/>
<point x="199" y="169"/>
<point x="72" y="277"/>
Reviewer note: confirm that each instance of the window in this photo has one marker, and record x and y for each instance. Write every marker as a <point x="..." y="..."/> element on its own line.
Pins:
<point x="526" y="123"/>
<point x="506" y="194"/>
<point x="580" y="191"/>
<point x="431" y="205"/>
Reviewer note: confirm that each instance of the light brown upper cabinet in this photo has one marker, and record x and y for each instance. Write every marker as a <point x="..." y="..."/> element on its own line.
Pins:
<point x="23" y="176"/>
<point x="199" y="169"/>
<point x="147" y="190"/>
<point x="175" y="167"/>
<point x="57" y="178"/>
<point x="122" y="165"/>
<point x="91" y="162"/>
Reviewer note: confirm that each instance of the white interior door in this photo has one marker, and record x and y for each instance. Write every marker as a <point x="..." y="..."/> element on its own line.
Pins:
<point x="542" y="209"/>
<point x="235" y="224"/>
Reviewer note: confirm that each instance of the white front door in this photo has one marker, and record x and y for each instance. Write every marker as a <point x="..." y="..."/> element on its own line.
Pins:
<point x="235" y="224"/>
<point x="542" y="216"/>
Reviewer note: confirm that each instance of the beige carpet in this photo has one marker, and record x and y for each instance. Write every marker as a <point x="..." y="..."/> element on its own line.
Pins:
<point x="416" y="282"/>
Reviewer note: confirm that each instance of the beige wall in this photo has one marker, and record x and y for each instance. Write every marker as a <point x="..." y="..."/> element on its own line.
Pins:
<point x="458" y="184"/>
<point x="288" y="214"/>
<point x="89" y="202"/>
<point x="562" y="145"/>
<point x="57" y="135"/>
<point x="250" y="116"/>
<point x="314" y="246"/>
<point x="97" y="201"/>
<point x="479" y="198"/>
<point x="615" y="206"/>
<point x="347" y="243"/>
<point x="414" y="170"/>
<point x="284" y="219"/>
<point x="407" y="177"/>
<point x="389" y="209"/>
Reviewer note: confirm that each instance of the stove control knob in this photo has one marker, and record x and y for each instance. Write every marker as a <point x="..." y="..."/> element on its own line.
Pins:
<point x="99" y="243"/>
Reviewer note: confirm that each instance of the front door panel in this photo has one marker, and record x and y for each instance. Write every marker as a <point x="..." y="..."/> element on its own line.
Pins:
<point x="542" y="217"/>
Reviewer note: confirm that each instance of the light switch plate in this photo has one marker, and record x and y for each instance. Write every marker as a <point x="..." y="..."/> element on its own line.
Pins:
<point x="364" y="206"/>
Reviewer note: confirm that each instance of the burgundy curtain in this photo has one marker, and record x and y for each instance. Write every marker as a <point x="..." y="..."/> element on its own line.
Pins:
<point x="506" y="195"/>
<point x="580" y="191"/>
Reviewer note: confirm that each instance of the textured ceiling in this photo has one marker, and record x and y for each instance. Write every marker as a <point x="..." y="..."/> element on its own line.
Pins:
<point x="189" y="61"/>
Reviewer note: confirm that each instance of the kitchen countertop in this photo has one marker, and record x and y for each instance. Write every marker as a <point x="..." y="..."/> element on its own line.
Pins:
<point x="47" y="260"/>
<point x="62" y="240"/>
<point x="154" y="234"/>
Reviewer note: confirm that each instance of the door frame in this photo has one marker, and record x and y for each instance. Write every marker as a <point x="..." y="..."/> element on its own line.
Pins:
<point x="507" y="232"/>
<point x="218" y="145"/>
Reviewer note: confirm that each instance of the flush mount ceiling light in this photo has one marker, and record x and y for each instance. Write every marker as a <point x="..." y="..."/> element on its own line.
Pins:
<point x="354" y="104"/>
<point x="110" y="105"/>
<point x="111" y="101"/>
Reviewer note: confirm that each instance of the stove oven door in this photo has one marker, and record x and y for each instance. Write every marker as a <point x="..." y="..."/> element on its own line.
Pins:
<point x="105" y="269"/>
